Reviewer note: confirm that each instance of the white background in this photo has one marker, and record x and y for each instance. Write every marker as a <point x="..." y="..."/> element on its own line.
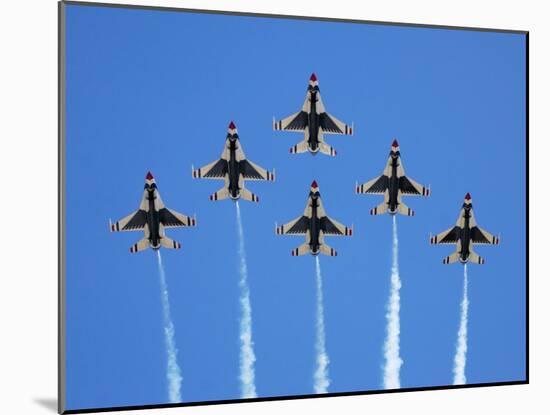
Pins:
<point x="28" y="203"/>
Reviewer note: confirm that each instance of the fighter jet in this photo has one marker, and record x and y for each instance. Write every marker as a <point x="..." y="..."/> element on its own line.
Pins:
<point x="152" y="218"/>
<point x="234" y="169"/>
<point x="393" y="184"/>
<point x="314" y="122"/>
<point x="464" y="235"/>
<point x="314" y="224"/>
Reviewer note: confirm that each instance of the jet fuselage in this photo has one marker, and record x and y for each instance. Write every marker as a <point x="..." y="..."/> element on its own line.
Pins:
<point x="315" y="226"/>
<point x="233" y="171"/>
<point x="313" y="123"/>
<point x="153" y="220"/>
<point x="465" y="237"/>
<point x="393" y="186"/>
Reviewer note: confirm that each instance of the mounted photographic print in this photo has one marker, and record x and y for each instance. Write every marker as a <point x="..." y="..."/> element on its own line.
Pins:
<point x="258" y="207"/>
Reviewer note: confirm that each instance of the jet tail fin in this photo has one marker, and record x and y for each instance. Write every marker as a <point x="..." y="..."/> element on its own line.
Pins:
<point x="405" y="210"/>
<point x="248" y="195"/>
<point x="475" y="258"/>
<point x="301" y="250"/>
<point x="451" y="258"/>
<point x="220" y="194"/>
<point x="142" y="245"/>
<point x="380" y="209"/>
<point x="327" y="250"/>
<point x="169" y="243"/>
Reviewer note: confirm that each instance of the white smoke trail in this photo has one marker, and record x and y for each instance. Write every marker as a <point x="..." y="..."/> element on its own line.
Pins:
<point x="321" y="377"/>
<point x="462" y="342"/>
<point x="247" y="357"/>
<point x="173" y="372"/>
<point x="391" y="346"/>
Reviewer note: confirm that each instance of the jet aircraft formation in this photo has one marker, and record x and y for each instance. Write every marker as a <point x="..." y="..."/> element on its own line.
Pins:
<point x="235" y="169"/>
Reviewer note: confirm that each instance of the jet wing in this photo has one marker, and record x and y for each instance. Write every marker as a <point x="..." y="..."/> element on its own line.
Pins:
<point x="411" y="188"/>
<point x="331" y="227"/>
<point x="295" y="122"/>
<point x="481" y="236"/>
<point x="172" y="219"/>
<point x="251" y="171"/>
<point x="298" y="226"/>
<point x="332" y="125"/>
<point x="133" y="222"/>
<point x="376" y="186"/>
<point x="450" y="236"/>
<point x="215" y="170"/>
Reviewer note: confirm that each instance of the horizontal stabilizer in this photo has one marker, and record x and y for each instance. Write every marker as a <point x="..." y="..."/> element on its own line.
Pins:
<point x="169" y="243"/>
<point x="220" y="194"/>
<point x="475" y="258"/>
<point x="140" y="246"/>
<point x="301" y="147"/>
<point x="301" y="250"/>
<point x="327" y="250"/>
<point x="405" y="210"/>
<point x="451" y="258"/>
<point x="380" y="209"/>
<point x="248" y="195"/>
<point x="326" y="149"/>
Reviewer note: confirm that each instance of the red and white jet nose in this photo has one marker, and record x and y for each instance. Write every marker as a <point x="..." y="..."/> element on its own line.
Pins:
<point x="314" y="186"/>
<point x="149" y="178"/>
<point x="395" y="145"/>
<point x="313" y="80"/>
<point x="232" y="128"/>
<point x="468" y="198"/>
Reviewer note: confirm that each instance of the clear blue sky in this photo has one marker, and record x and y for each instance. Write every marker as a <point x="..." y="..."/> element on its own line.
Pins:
<point x="153" y="90"/>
